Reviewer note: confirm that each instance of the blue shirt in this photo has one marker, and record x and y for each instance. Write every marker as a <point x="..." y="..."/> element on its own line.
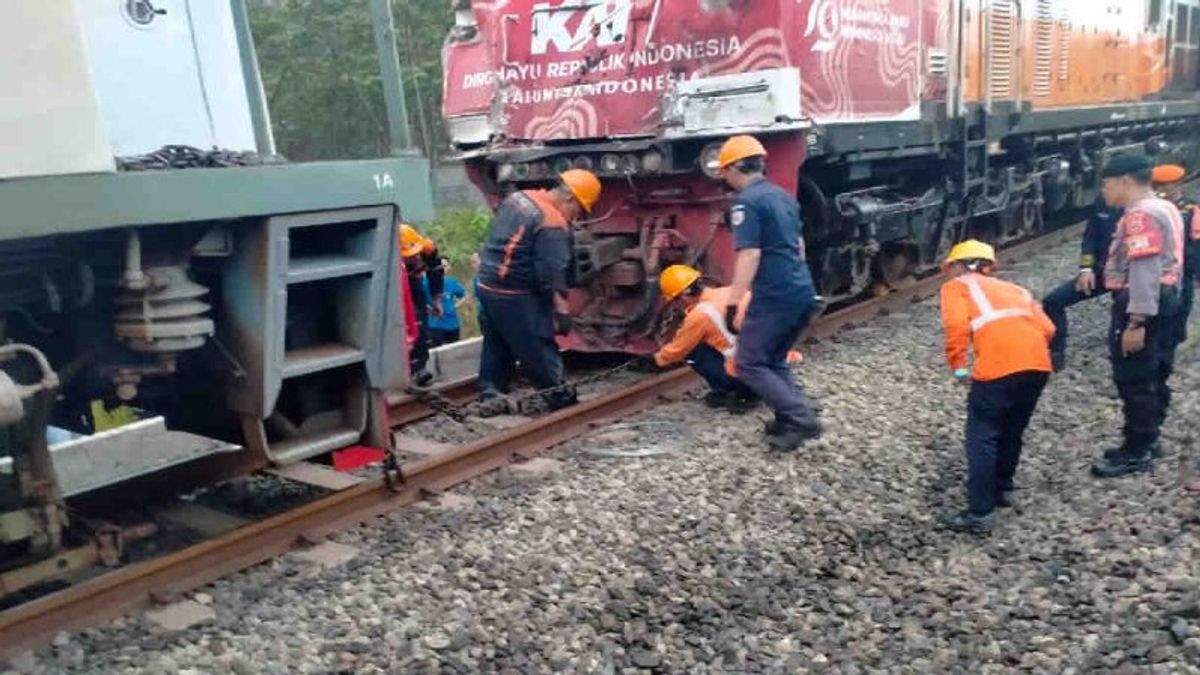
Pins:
<point x="452" y="291"/>
<point x="1097" y="238"/>
<point x="765" y="217"/>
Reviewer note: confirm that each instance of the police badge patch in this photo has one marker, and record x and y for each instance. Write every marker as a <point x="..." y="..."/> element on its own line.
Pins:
<point x="737" y="215"/>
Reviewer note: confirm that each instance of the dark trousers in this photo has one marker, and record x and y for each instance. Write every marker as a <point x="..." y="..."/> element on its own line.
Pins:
<point x="520" y="328"/>
<point x="443" y="336"/>
<point x="710" y="364"/>
<point x="1187" y="297"/>
<point x="1143" y="379"/>
<point x="1056" y="303"/>
<point x="763" y="343"/>
<point x="998" y="411"/>
<point x="419" y="356"/>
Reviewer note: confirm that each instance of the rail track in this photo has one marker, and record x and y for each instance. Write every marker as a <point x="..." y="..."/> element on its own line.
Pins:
<point x="167" y="577"/>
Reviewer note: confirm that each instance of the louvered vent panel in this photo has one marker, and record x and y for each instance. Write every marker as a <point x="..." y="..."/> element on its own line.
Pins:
<point x="1064" y="42"/>
<point x="938" y="62"/>
<point x="1002" y="31"/>
<point x="1043" y="48"/>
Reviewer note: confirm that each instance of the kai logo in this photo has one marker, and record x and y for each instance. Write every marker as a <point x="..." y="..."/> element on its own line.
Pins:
<point x="574" y="24"/>
<point x="823" y="21"/>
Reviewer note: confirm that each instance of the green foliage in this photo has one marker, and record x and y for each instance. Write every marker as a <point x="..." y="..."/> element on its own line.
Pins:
<point x="459" y="233"/>
<point x="321" y="75"/>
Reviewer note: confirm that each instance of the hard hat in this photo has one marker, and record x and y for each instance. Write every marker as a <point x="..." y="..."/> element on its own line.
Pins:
<point x="738" y="148"/>
<point x="1168" y="173"/>
<point x="584" y="185"/>
<point x="971" y="249"/>
<point x="676" y="279"/>
<point x="411" y="241"/>
<point x="1127" y="164"/>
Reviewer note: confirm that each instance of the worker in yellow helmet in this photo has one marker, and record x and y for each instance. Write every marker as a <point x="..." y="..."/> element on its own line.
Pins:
<point x="767" y="234"/>
<point x="523" y="272"/>
<point x="423" y="265"/>
<point x="1010" y="337"/>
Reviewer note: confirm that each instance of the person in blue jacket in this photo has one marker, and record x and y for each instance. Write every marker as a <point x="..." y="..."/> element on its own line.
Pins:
<point x="446" y="327"/>
<point x="1088" y="282"/>
<point x="770" y="264"/>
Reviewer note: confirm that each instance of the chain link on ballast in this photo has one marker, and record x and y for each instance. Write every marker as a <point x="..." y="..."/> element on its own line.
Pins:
<point x="530" y="404"/>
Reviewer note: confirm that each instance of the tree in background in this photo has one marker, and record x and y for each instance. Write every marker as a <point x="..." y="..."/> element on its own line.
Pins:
<point x="321" y="75"/>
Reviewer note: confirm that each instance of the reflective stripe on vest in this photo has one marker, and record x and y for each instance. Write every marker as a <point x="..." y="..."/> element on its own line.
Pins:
<point x="987" y="313"/>
<point x="718" y="320"/>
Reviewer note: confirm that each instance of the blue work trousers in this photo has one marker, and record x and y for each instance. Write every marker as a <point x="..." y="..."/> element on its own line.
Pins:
<point x="710" y="365"/>
<point x="763" y="343"/>
<point x="1056" y="303"/>
<point x="520" y="329"/>
<point x="997" y="413"/>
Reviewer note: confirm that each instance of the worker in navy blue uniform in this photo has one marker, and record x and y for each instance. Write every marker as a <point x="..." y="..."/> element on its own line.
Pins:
<point x="1088" y="282"/>
<point x="1167" y="183"/>
<point x="523" y="273"/>
<point x="770" y="263"/>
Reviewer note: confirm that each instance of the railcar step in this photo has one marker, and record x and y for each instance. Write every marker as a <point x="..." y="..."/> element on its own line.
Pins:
<point x="316" y="268"/>
<point x="306" y="360"/>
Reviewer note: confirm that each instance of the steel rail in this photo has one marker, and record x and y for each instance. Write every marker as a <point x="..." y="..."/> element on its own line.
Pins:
<point x="165" y="578"/>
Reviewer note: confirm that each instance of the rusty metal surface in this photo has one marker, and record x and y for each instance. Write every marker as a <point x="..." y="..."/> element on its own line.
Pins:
<point x="135" y="586"/>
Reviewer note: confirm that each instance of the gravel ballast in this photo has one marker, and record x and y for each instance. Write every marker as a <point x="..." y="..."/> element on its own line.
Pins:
<point x="709" y="555"/>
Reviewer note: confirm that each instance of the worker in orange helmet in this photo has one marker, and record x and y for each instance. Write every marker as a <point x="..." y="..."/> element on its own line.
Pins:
<point x="767" y="234"/>
<point x="703" y="339"/>
<point x="523" y="281"/>
<point x="421" y="261"/>
<point x="1010" y="336"/>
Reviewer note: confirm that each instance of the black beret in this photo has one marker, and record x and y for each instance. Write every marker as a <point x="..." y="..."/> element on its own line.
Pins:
<point x="1128" y="164"/>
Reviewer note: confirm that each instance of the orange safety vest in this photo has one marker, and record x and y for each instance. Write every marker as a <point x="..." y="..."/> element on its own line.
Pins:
<point x="705" y="323"/>
<point x="1001" y="321"/>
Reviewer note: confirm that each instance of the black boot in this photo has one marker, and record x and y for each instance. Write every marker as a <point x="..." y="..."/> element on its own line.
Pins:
<point x="1124" y="462"/>
<point x="789" y="436"/>
<point x="1156" y="451"/>
<point x="1006" y="499"/>
<point x="717" y="399"/>
<point x="965" y="521"/>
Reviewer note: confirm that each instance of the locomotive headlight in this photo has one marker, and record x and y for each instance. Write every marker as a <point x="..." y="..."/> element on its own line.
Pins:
<point x="504" y="173"/>
<point x="610" y="163"/>
<point x="562" y="164"/>
<point x="652" y="162"/>
<point x="630" y="164"/>
<point x="582" y="162"/>
<point x="709" y="162"/>
<point x="521" y="171"/>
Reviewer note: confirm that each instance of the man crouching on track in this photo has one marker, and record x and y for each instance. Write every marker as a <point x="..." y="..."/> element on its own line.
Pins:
<point x="523" y="286"/>
<point x="1010" y="335"/>
<point x="1144" y="271"/>
<point x="770" y="261"/>
<point x="703" y="339"/>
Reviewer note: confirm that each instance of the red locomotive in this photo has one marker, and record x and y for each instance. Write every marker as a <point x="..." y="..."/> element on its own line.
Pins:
<point x="901" y="125"/>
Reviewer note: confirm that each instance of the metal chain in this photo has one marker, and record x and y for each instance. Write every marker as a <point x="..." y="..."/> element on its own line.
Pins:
<point x="440" y="404"/>
<point x="533" y="403"/>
